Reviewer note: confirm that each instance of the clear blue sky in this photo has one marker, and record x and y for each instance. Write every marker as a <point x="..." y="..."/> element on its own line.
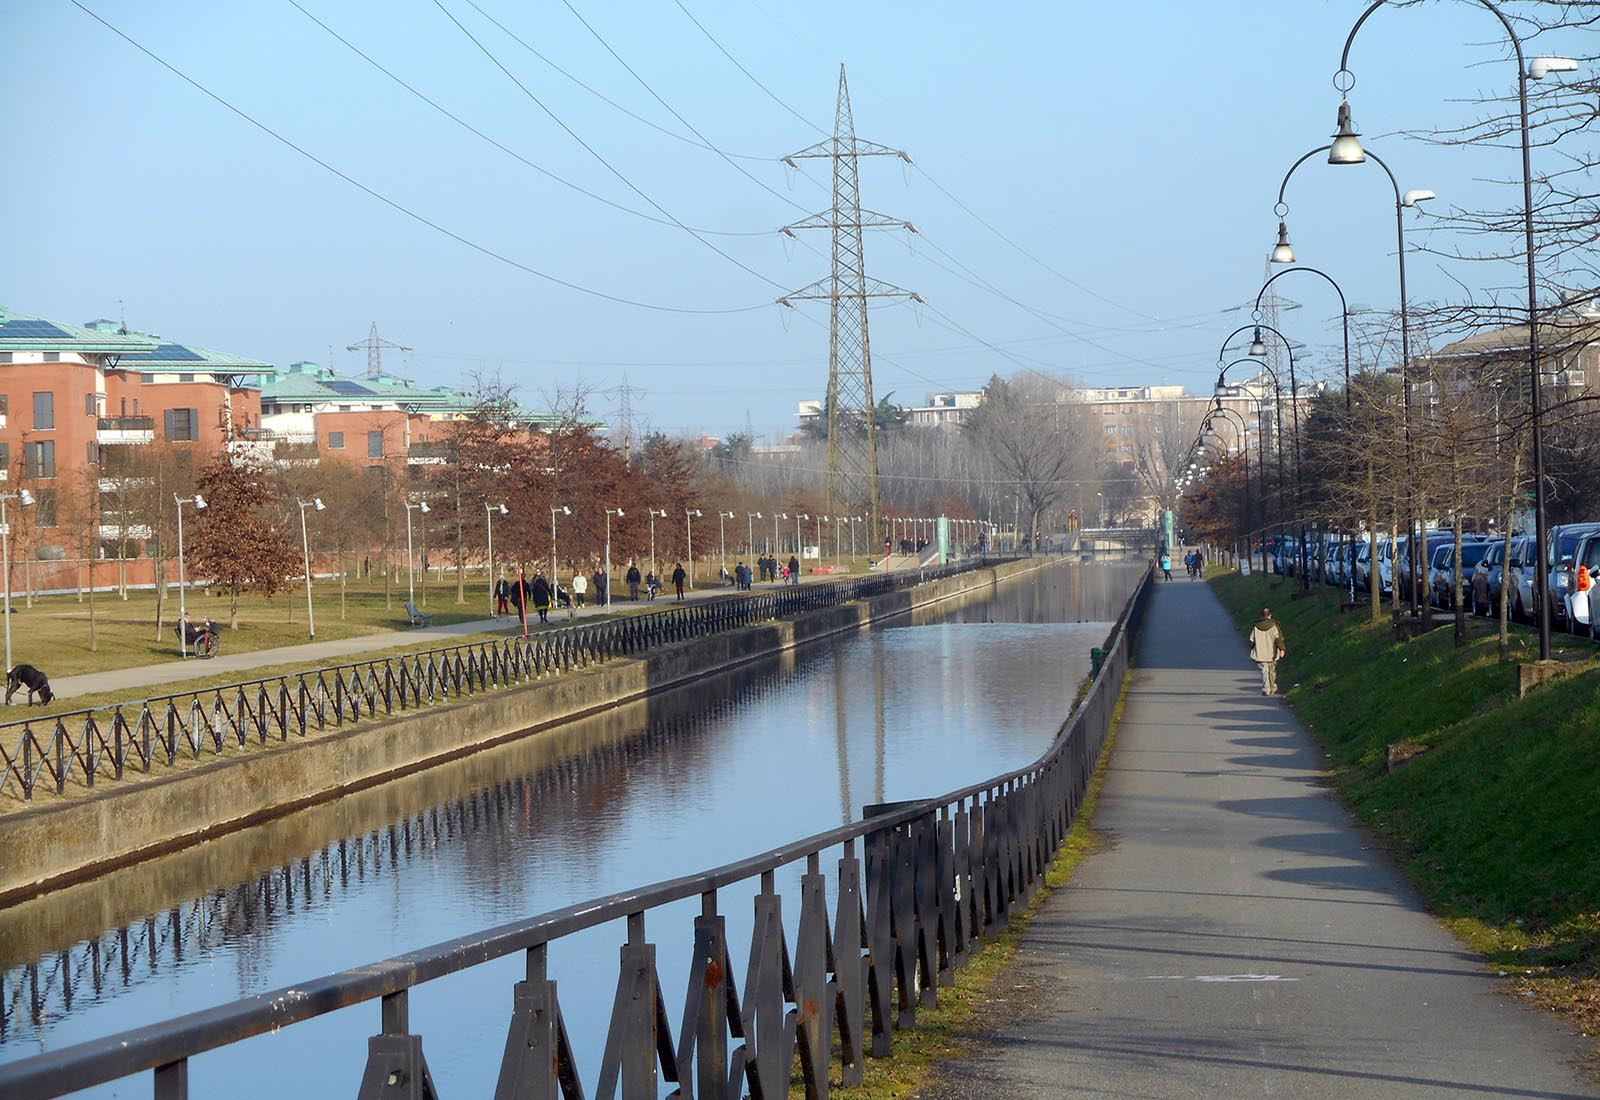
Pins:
<point x="1134" y="148"/>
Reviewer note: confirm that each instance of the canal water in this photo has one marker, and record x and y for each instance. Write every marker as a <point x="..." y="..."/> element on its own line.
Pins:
<point x="729" y="767"/>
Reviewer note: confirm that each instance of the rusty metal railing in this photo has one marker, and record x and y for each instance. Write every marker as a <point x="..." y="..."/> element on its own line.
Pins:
<point x="81" y="745"/>
<point x="917" y="889"/>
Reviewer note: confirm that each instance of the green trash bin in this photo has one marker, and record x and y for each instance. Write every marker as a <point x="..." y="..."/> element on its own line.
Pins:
<point x="1097" y="657"/>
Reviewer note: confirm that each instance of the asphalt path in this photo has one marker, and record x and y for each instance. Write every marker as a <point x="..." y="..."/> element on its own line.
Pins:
<point x="1239" y="935"/>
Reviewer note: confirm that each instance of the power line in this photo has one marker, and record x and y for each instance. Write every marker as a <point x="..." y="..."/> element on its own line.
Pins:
<point x="463" y="123"/>
<point x="753" y="79"/>
<point x="602" y="97"/>
<point x="391" y="203"/>
<point x="735" y="165"/>
<point x="573" y="134"/>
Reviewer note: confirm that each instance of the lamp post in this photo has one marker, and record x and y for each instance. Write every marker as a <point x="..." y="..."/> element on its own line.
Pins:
<point x="489" y="512"/>
<point x="609" y="513"/>
<point x="315" y="503"/>
<point x="820" y="518"/>
<point x="722" y="540"/>
<point x="1258" y="350"/>
<point x="1261" y="440"/>
<point x="1243" y="428"/>
<point x="558" y="510"/>
<point x="411" y="565"/>
<point x="750" y="524"/>
<point x="1346" y="149"/>
<point x="689" y="516"/>
<point x="199" y="502"/>
<point x="25" y="498"/>
<point x="799" y="547"/>
<point x="776" y="516"/>
<point x="654" y="512"/>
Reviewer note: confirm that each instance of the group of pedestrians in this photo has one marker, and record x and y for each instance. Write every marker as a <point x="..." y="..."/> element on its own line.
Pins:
<point x="1193" y="561"/>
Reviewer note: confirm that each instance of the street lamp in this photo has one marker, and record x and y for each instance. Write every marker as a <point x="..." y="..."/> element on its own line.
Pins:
<point x="411" y="565"/>
<point x="1261" y="435"/>
<point x="722" y="541"/>
<point x="199" y="502"/>
<point x="316" y="504"/>
<point x="654" y="512"/>
<point x="558" y="510"/>
<point x="776" y="516"/>
<point x="1258" y="350"/>
<point x="489" y="512"/>
<point x="689" y="516"/>
<point x="750" y="523"/>
<point x="609" y="513"/>
<point x="25" y="498"/>
<point x="1347" y="150"/>
<point x="799" y="543"/>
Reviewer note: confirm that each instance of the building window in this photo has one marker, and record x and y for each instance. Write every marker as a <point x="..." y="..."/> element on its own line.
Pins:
<point x="5" y="404"/>
<point x="336" y="441"/>
<point x="344" y="408"/>
<point x="44" y="411"/>
<point x="186" y="378"/>
<point x="5" y="357"/>
<point x="94" y="453"/>
<point x="39" y="459"/>
<point x="5" y="460"/>
<point x="183" y="425"/>
<point x="52" y="357"/>
<point x="374" y="444"/>
<point x="44" y="512"/>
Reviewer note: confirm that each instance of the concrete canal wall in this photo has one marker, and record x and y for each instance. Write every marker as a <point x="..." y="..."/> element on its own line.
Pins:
<point x="48" y="846"/>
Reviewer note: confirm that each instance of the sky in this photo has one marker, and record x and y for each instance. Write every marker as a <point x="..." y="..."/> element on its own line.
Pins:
<point x="1093" y="184"/>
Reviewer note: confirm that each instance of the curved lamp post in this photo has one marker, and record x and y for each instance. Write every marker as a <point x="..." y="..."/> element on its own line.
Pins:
<point x="315" y="503"/>
<point x="558" y="510"/>
<point x="1277" y="434"/>
<point x="1241" y="428"/>
<point x="722" y="541"/>
<point x="609" y="513"/>
<point x="654" y="512"/>
<point x="1347" y="149"/>
<point x="411" y="562"/>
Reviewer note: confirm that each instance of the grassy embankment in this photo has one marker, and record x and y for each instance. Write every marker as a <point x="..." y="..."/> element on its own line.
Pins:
<point x="1498" y="820"/>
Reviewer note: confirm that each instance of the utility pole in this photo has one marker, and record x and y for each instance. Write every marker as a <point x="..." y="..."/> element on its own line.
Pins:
<point x="374" y="345"/>
<point x="852" y="419"/>
<point x="625" y="394"/>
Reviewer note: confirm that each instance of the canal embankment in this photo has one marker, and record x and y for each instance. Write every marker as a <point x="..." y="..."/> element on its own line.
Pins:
<point x="52" y="845"/>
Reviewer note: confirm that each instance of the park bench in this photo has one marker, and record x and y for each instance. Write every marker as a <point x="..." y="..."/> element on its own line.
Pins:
<point x="418" y="618"/>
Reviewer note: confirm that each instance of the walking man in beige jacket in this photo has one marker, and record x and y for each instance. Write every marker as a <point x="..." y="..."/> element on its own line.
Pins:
<point x="1266" y="649"/>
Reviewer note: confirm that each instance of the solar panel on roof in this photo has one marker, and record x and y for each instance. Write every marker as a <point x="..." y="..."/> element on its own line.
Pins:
<point x="347" y="388"/>
<point x="163" y="353"/>
<point x="29" y="327"/>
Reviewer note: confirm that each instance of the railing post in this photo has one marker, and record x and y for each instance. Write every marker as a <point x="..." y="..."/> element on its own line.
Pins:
<point x="396" y="1069"/>
<point x="172" y="1080"/>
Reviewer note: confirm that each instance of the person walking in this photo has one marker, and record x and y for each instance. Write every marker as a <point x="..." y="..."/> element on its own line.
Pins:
<point x="1166" y="566"/>
<point x="580" y="588"/>
<point x="794" y="569"/>
<point x="633" y="581"/>
<point x="1199" y="566"/>
<point x="650" y="585"/>
<point x="1266" y="650"/>
<point x="541" y="597"/>
<point x="502" y="597"/>
<point x="600" y="587"/>
<point x="678" y="577"/>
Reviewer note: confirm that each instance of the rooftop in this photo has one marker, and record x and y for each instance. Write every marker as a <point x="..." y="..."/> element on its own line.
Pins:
<point x="20" y="332"/>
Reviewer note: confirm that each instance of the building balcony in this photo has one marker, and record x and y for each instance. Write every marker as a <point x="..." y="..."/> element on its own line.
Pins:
<point x="125" y="429"/>
<point x="133" y="532"/>
<point x="431" y="453"/>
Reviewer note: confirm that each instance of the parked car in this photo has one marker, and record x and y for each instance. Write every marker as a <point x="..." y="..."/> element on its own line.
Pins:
<point x="1473" y="549"/>
<point x="1362" y="567"/>
<point x="1560" y="546"/>
<point x="1585" y="554"/>
<point x="1519" y="576"/>
<point x="1487" y="576"/>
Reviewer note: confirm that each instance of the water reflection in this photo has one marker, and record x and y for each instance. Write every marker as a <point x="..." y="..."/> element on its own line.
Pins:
<point x="651" y="789"/>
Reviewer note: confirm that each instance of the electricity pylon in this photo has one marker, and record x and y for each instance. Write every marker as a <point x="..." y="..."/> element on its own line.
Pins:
<point x="375" y="345"/>
<point x="852" y="419"/>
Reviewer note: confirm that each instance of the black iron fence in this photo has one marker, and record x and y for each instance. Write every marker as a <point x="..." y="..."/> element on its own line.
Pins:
<point x="81" y="745"/>
<point x="917" y="888"/>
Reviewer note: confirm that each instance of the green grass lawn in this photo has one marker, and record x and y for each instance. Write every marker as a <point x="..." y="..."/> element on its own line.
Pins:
<point x="1498" y="821"/>
<point x="54" y="633"/>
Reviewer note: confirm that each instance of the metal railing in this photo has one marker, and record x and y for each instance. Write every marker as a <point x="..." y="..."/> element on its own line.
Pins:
<point x="939" y="876"/>
<point x="81" y="745"/>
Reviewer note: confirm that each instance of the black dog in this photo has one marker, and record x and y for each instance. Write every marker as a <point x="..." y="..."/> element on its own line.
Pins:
<point x="26" y="676"/>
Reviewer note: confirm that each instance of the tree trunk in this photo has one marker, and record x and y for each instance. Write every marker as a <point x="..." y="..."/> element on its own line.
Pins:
<point x="159" y="566"/>
<point x="94" y="642"/>
<point x="233" y="610"/>
<point x="1375" y="590"/>
<point x="1456" y="573"/>
<point x="344" y="578"/>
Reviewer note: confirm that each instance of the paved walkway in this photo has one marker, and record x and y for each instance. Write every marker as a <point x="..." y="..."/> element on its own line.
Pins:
<point x="1237" y="936"/>
<point x="141" y="680"/>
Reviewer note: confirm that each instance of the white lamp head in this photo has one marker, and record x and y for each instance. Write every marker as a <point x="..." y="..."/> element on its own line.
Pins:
<point x="24" y="497"/>
<point x="423" y="508"/>
<point x="566" y="511"/>
<point x="1283" y="251"/>
<point x="1541" y="67"/>
<point x="619" y="511"/>
<point x="1346" y="147"/>
<point x="502" y="510"/>
<point x="1258" y="346"/>
<point x="199" y="501"/>
<point x="1416" y="195"/>
<point x="316" y="502"/>
<point x="695" y="512"/>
